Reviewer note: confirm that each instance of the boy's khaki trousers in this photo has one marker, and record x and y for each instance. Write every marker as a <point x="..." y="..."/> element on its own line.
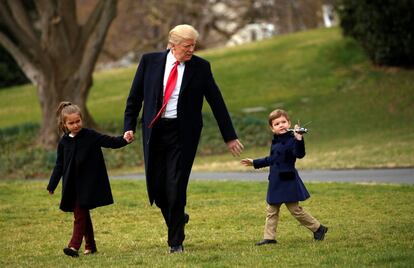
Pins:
<point x="297" y="211"/>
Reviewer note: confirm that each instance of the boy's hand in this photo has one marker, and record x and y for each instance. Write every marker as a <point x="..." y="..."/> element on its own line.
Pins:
<point x="298" y="136"/>
<point x="51" y="192"/>
<point x="247" y="162"/>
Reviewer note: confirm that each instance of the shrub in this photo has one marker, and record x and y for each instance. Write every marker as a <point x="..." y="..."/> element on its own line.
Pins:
<point x="385" y="29"/>
<point x="10" y="73"/>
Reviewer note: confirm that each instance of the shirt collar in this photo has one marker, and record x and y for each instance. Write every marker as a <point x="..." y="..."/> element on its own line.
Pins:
<point x="171" y="59"/>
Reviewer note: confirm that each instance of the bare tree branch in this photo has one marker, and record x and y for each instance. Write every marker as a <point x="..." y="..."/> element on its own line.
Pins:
<point x="96" y="41"/>
<point x="11" y="24"/>
<point x="20" y="14"/>
<point x="93" y="19"/>
<point x="24" y="62"/>
<point x="67" y="11"/>
<point x="45" y="10"/>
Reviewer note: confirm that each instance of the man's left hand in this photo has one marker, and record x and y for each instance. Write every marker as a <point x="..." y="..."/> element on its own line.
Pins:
<point x="235" y="147"/>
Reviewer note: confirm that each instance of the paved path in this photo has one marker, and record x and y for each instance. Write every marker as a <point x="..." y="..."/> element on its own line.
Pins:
<point x="395" y="175"/>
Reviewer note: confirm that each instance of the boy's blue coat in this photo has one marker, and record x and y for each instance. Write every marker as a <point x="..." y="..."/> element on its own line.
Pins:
<point x="81" y="164"/>
<point x="285" y="185"/>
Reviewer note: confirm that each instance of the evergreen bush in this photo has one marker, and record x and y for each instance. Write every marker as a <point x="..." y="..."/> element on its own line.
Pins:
<point x="10" y="73"/>
<point x="385" y="29"/>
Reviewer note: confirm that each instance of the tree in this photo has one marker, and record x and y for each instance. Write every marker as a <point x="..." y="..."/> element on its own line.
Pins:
<point x="143" y="25"/>
<point x="385" y="29"/>
<point x="55" y="52"/>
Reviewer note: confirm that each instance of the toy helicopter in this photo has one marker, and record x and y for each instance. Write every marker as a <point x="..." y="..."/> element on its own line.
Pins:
<point x="300" y="130"/>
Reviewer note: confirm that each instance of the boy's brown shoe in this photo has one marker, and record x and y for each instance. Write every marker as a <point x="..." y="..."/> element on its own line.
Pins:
<point x="266" y="241"/>
<point x="319" y="235"/>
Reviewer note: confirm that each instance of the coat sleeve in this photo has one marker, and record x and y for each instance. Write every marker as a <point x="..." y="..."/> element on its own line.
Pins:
<point x="135" y="98"/>
<point x="57" y="170"/>
<point x="218" y="107"/>
<point x="107" y="141"/>
<point x="261" y="162"/>
<point x="299" y="149"/>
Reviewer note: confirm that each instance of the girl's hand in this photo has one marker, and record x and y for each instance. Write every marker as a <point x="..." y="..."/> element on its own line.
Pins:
<point x="247" y="162"/>
<point x="51" y="192"/>
<point x="298" y="136"/>
<point x="129" y="136"/>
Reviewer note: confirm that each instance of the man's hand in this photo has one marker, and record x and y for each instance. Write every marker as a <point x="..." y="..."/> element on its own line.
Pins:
<point x="235" y="147"/>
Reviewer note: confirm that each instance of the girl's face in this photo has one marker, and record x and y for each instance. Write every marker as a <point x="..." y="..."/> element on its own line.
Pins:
<point x="280" y="125"/>
<point x="73" y="122"/>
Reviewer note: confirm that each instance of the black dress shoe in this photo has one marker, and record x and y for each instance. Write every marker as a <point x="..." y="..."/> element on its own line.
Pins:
<point x="266" y="241"/>
<point x="71" y="252"/>
<point x="186" y="218"/>
<point x="176" y="249"/>
<point x="319" y="235"/>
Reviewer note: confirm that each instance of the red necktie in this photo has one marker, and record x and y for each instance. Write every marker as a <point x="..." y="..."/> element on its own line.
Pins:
<point x="169" y="88"/>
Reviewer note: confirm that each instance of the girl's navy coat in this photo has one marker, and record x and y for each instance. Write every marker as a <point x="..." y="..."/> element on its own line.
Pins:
<point x="285" y="185"/>
<point x="81" y="164"/>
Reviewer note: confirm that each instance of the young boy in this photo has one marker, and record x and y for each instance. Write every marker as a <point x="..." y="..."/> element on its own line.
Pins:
<point x="285" y="185"/>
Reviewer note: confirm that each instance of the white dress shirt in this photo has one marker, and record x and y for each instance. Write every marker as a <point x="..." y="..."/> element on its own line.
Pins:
<point x="171" y="108"/>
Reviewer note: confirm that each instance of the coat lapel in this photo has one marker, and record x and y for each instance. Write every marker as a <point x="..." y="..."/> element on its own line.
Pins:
<point x="188" y="73"/>
<point x="158" y="74"/>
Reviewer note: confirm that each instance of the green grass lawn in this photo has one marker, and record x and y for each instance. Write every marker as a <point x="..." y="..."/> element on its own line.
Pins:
<point x="369" y="225"/>
<point x="361" y="115"/>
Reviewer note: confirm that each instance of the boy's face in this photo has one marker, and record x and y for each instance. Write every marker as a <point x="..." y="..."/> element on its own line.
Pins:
<point x="73" y="123"/>
<point x="280" y="125"/>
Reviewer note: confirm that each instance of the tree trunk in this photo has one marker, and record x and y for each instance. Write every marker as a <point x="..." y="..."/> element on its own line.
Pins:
<point x="50" y="95"/>
<point x="56" y="53"/>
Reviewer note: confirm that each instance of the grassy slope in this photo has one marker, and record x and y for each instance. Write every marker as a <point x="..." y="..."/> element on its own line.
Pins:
<point x="361" y="114"/>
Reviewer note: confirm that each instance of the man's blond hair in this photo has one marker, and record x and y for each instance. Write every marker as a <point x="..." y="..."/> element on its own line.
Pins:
<point x="180" y="33"/>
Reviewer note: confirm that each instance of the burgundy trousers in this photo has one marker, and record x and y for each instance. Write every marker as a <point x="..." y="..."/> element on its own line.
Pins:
<point x="82" y="227"/>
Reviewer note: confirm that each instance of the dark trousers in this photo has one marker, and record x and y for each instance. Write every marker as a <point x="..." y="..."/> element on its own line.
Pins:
<point x="166" y="175"/>
<point x="82" y="227"/>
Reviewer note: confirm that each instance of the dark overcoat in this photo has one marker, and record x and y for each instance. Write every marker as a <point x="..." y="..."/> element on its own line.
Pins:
<point x="80" y="164"/>
<point x="198" y="83"/>
<point x="285" y="185"/>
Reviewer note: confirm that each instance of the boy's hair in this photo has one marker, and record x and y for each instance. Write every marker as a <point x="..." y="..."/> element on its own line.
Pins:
<point x="276" y="114"/>
<point x="65" y="108"/>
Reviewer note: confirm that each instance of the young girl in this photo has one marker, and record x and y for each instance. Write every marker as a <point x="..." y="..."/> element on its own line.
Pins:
<point x="285" y="185"/>
<point x="85" y="183"/>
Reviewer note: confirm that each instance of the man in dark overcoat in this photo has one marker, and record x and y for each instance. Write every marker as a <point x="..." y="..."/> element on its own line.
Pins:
<point x="172" y="122"/>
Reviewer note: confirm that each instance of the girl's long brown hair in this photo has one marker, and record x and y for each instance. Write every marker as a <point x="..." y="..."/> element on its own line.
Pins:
<point x="64" y="108"/>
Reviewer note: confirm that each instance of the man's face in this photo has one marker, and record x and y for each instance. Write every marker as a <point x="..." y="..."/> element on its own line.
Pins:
<point x="184" y="51"/>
